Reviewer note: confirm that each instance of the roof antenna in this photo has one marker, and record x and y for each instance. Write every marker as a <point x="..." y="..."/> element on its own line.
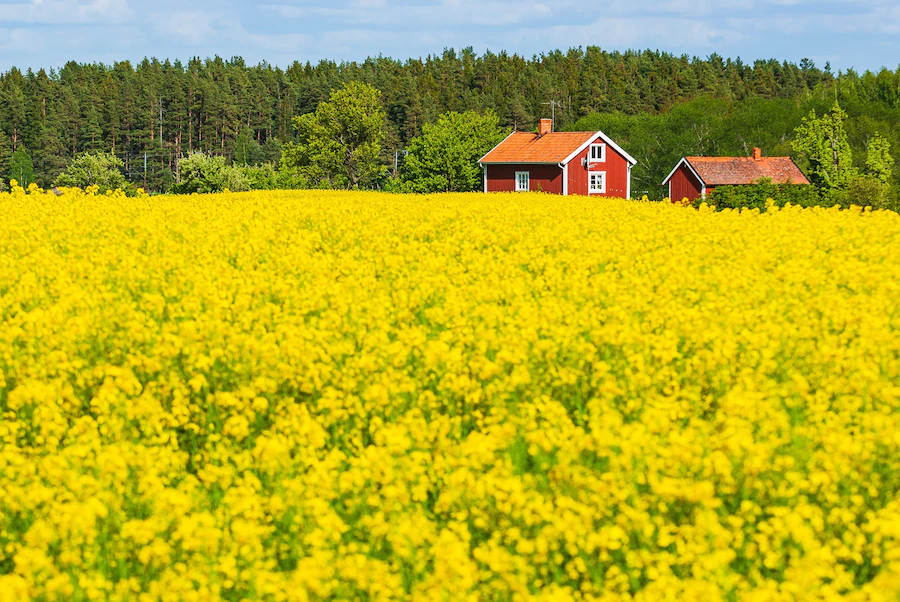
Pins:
<point x="553" y="104"/>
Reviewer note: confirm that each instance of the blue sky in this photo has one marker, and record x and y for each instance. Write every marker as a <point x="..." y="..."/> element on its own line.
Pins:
<point x="863" y="34"/>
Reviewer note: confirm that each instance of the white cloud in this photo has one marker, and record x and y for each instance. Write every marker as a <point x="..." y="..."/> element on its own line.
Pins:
<point x="286" y="42"/>
<point x="450" y="13"/>
<point x="704" y="8"/>
<point x="16" y="39"/>
<point x="66" y="12"/>
<point x="862" y="32"/>
<point x="190" y="26"/>
<point x="634" y="32"/>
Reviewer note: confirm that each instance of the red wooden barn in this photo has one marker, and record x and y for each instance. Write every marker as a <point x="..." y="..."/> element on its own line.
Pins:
<point x="694" y="177"/>
<point x="586" y="163"/>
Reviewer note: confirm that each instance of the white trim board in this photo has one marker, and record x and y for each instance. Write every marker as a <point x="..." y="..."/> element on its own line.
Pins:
<point x="689" y="166"/>
<point x="608" y="141"/>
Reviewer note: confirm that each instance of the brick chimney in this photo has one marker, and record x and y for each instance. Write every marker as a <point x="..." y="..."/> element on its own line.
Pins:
<point x="545" y="127"/>
<point x="757" y="154"/>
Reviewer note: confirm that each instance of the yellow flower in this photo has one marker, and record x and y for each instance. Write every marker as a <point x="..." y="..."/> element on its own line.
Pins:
<point x="349" y="395"/>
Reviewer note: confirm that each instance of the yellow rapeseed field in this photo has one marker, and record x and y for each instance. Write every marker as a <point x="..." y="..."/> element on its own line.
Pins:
<point x="362" y="396"/>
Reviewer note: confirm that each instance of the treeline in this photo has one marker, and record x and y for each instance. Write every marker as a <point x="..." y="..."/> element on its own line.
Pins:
<point x="152" y="113"/>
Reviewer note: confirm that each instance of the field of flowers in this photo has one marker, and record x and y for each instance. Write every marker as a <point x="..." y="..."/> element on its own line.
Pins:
<point x="358" y="396"/>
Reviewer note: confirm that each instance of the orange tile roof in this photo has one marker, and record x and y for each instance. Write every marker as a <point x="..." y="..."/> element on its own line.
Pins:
<point x="719" y="171"/>
<point x="527" y="147"/>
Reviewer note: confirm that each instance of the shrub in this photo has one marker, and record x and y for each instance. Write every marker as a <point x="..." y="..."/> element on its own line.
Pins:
<point x="100" y="169"/>
<point x="754" y="196"/>
<point x="260" y="177"/>
<point x="871" y="191"/>
<point x="201" y="173"/>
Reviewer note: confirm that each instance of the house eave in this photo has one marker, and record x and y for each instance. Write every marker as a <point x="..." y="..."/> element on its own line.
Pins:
<point x="520" y="163"/>
<point x="608" y="141"/>
<point x="495" y="147"/>
<point x="690" y="167"/>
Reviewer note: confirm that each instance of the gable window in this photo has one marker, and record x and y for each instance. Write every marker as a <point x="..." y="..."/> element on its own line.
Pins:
<point x="597" y="182"/>
<point x="522" y="181"/>
<point x="598" y="153"/>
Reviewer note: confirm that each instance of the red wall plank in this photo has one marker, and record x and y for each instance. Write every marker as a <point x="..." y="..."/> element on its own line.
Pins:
<point x="578" y="178"/>
<point x="684" y="184"/>
<point x="502" y="178"/>
<point x="615" y="166"/>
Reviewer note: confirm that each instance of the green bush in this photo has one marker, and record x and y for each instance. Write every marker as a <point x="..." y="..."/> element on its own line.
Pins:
<point x="203" y="173"/>
<point x="260" y="177"/>
<point x="754" y="196"/>
<point x="100" y="169"/>
<point x="872" y="192"/>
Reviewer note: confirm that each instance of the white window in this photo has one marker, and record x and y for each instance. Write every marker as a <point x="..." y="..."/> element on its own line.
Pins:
<point x="598" y="153"/>
<point x="597" y="182"/>
<point x="522" y="181"/>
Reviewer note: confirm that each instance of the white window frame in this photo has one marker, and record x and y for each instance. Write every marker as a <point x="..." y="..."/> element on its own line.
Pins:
<point x="527" y="182"/>
<point x="591" y="189"/>
<point x="602" y="147"/>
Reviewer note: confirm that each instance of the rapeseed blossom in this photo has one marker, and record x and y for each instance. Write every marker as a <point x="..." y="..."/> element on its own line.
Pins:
<point x="330" y="395"/>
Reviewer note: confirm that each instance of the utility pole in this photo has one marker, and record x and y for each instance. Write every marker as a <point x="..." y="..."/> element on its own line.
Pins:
<point x="145" y="171"/>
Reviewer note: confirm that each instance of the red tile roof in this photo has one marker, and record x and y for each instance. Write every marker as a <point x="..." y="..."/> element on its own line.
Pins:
<point x="718" y="171"/>
<point x="527" y="147"/>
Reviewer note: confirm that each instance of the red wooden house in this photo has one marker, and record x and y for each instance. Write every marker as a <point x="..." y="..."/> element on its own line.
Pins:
<point x="695" y="177"/>
<point x="586" y="163"/>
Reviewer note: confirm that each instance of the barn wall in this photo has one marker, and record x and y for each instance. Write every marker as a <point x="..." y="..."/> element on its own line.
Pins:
<point x="502" y="178"/>
<point x="684" y="184"/>
<point x="615" y="166"/>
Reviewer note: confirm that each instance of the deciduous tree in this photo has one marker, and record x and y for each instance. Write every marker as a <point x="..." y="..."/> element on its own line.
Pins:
<point x="879" y="162"/>
<point x="21" y="169"/>
<point x="824" y="143"/>
<point x="339" y="145"/>
<point x="100" y="169"/>
<point x="445" y="157"/>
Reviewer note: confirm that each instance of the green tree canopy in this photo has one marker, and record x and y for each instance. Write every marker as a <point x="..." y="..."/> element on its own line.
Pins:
<point x="444" y="158"/>
<point x="21" y="169"/>
<point x="879" y="162"/>
<point x="246" y="149"/>
<point x="5" y="155"/>
<point x="339" y="145"/>
<point x="93" y="169"/>
<point x="201" y="173"/>
<point x="823" y="142"/>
